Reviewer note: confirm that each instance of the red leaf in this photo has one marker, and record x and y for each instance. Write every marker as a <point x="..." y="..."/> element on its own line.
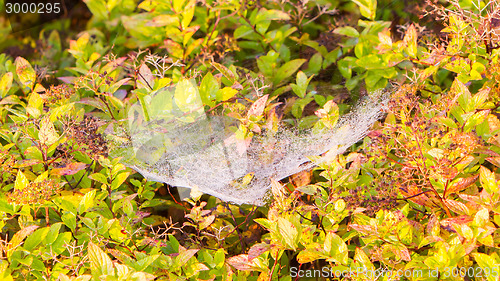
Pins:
<point x="70" y="169"/>
<point x="258" y="106"/>
<point x="241" y="262"/>
<point x="27" y="163"/>
<point x="257" y="249"/>
<point x="364" y="229"/>
<point x="451" y="223"/>
<point x="67" y="79"/>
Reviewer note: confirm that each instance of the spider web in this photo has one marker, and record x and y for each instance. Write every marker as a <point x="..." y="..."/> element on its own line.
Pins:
<point x="172" y="140"/>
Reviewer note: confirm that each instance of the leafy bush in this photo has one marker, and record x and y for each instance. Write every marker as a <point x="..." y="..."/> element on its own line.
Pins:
<point x="419" y="194"/>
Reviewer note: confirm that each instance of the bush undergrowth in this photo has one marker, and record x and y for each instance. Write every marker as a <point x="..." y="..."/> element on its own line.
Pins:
<point x="419" y="194"/>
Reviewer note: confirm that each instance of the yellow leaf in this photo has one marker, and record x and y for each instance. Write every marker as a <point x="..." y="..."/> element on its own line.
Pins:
<point x="288" y="232"/>
<point x="47" y="134"/>
<point x="25" y="72"/>
<point x="19" y="237"/>
<point x="5" y="84"/>
<point x="308" y="255"/>
<point x="21" y="181"/>
<point x="410" y="40"/>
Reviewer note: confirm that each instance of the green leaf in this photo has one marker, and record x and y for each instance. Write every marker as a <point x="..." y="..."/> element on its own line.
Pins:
<point x="187" y="98"/>
<point x="476" y="119"/>
<point x="300" y="88"/>
<point x="371" y="78"/>
<point x="5" y="271"/>
<point x="115" y="86"/>
<point x="368" y="8"/>
<point x="37" y="264"/>
<point x="448" y="122"/>
<point x="225" y="71"/>
<point x="208" y="89"/>
<point x="345" y="67"/>
<point x="35" y="105"/>
<point x="243" y="31"/>
<point x="339" y="205"/>
<point x="314" y="64"/>
<point x="128" y="209"/>
<point x="347" y="31"/>
<point x="480" y="97"/>
<point x="464" y="96"/>
<point x="61" y="242"/>
<point x="268" y="15"/>
<point x="119" y="180"/>
<point x="264" y="222"/>
<point x="477" y="69"/>
<point x="100" y="263"/>
<point x="6" y="84"/>
<point x="142" y="264"/>
<point x="188" y="13"/>
<point x="351" y="83"/>
<point x="68" y="202"/>
<point x="288" y="232"/>
<point x="52" y="234"/>
<point x="99" y="178"/>
<point x="116" y="231"/>
<point x="219" y="258"/>
<point x="69" y="219"/>
<point x="336" y="248"/>
<point x="287" y="70"/>
<point x="7" y="207"/>
<point x="25" y="73"/>
<point x="362" y="259"/>
<point x="370" y="62"/>
<point x="177" y="5"/>
<point x="87" y="202"/>
<point x="98" y="8"/>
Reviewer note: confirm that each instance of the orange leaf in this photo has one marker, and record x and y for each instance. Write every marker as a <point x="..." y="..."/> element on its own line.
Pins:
<point x="456" y="206"/>
<point x="412" y="190"/>
<point x="461" y="184"/>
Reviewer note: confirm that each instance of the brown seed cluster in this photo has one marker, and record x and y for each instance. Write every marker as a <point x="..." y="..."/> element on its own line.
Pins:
<point x="57" y="93"/>
<point x="34" y="192"/>
<point x="6" y="165"/>
<point x="92" y="81"/>
<point x="493" y="73"/>
<point x="223" y="45"/>
<point x="63" y="152"/>
<point x="85" y="134"/>
<point x="385" y="199"/>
